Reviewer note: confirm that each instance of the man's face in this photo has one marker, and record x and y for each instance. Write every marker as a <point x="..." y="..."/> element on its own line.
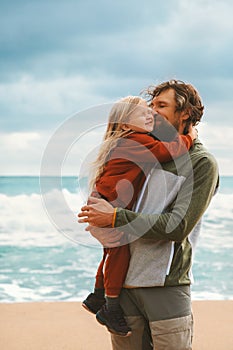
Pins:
<point x="165" y="105"/>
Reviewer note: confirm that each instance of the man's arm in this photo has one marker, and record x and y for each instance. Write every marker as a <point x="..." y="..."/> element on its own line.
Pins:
<point x="108" y="237"/>
<point x="191" y="203"/>
<point x="173" y="225"/>
<point x="99" y="225"/>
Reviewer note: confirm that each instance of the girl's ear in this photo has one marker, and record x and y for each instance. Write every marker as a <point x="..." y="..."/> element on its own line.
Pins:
<point x="125" y="127"/>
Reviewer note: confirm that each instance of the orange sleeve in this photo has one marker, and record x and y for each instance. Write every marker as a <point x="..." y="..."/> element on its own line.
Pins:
<point x="144" y="148"/>
<point x="174" y="149"/>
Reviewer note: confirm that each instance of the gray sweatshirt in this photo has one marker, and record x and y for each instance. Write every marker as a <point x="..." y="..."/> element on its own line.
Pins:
<point x="164" y="228"/>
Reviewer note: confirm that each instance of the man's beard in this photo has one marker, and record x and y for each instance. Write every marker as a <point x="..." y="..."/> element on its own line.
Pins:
<point x="164" y="130"/>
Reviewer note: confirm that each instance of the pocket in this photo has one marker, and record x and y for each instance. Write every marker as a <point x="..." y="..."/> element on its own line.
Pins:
<point x="173" y="334"/>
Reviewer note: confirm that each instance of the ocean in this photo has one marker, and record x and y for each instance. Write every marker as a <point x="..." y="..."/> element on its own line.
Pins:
<point x="40" y="263"/>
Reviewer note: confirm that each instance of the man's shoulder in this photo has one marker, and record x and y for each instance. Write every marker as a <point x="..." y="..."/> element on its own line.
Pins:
<point x="198" y="161"/>
<point x="200" y="153"/>
<point x="204" y="164"/>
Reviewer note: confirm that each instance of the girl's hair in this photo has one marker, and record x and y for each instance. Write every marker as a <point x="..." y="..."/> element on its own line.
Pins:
<point x="118" y="116"/>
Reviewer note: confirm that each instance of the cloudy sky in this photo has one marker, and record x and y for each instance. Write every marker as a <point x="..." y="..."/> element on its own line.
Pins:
<point x="60" y="57"/>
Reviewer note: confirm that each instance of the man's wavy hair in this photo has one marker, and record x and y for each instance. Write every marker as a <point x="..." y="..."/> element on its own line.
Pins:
<point x="186" y="96"/>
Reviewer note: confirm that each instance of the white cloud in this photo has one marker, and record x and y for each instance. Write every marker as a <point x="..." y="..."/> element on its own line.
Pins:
<point x="47" y="96"/>
<point x="225" y="165"/>
<point x="18" y="141"/>
<point x="218" y="140"/>
<point x="41" y="103"/>
<point x="77" y="59"/>
<point x="21" y="152"/>
<point x="76" y="66"/>
<point x="218" y="137"/>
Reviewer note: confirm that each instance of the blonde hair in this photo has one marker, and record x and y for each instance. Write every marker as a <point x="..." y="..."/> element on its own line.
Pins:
<point x="118" y="116"/>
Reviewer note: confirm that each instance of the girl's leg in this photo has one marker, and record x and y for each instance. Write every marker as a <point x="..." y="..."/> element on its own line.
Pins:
<point x="96" y="300"/>
<point x="115" y="269"/>
<point x="99" y="278"/>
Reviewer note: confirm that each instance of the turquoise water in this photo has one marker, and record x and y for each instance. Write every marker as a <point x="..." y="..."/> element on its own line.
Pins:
<point x="39" y="263"/>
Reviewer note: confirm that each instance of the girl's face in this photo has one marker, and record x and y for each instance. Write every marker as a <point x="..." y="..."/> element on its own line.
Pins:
<point x="142" y="119"/>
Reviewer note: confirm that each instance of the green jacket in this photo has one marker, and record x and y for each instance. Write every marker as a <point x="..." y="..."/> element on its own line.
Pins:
<point x="165" y="227"/>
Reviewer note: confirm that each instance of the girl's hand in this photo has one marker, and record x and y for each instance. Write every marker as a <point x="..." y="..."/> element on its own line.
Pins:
<point x="98" y="212"/>
<point x="193" y="132"/>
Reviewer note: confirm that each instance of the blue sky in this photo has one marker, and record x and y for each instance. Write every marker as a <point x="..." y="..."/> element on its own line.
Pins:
<point x="61" y="57"/>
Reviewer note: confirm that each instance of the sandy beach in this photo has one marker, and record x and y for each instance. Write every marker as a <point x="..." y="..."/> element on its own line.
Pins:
<point x="67" y="326"/>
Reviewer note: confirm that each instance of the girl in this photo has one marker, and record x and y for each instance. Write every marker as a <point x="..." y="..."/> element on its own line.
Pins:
<point x="125" y="158"/>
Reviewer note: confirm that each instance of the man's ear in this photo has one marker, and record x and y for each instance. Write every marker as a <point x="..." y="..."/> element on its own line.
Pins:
<point x="185" y="115"/>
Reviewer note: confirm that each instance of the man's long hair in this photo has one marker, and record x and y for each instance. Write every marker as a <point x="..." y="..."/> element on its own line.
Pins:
<point x="186" y="96"/>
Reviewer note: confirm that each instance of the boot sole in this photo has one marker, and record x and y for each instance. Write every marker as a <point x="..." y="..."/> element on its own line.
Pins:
<point x="88" y="309"/>
<point x="104" y="323"/>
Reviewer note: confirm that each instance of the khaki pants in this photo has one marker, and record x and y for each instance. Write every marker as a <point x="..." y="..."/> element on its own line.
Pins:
<point x="160" y="319"/>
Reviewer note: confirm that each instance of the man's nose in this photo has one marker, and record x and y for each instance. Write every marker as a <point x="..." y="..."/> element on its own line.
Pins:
<point x="153" y="105"/>
<point x="154" y="108"/>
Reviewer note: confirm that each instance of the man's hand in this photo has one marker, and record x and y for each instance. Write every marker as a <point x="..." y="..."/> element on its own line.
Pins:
<point x="108" y="237"/>
<point x="98" y="212"/>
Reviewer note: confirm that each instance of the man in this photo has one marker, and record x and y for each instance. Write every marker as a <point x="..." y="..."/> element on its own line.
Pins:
<point x="156" y="295"/>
